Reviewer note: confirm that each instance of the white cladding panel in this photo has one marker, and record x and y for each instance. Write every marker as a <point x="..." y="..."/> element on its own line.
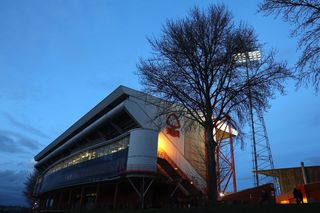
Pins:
<point x="178" y="142"/>
<point x="168" y="145"/>
<point x="142" y="154"/>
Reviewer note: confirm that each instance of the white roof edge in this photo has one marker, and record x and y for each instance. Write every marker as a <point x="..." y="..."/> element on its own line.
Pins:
<point x="113" y="96"/>
<point x="223" y="127"/>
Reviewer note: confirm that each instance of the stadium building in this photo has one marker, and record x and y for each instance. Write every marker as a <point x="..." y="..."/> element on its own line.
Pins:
<point x="122" y="154"/>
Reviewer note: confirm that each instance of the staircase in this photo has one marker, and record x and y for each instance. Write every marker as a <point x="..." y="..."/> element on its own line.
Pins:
<point x="173" y="162"/>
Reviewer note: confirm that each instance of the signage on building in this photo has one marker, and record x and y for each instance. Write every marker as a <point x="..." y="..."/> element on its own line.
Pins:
<point x="173" y="125"/>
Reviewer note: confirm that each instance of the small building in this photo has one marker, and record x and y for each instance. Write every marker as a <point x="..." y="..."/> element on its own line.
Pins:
<point x="122" y="154"/>
<point x="305" y="178"/>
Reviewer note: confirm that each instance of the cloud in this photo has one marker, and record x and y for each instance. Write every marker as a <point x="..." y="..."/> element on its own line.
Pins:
<point x="11" y="176"/>
<point x="12" y="186"/>
<point x="7" y="144"/>
<point x="23" y="126"/>
<point x="12" y="142"/>
<point x="26" y="164"/>
<point x="12" y="199"/>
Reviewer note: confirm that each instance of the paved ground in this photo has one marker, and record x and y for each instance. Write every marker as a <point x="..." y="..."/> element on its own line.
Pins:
<point x="312" y="208"/>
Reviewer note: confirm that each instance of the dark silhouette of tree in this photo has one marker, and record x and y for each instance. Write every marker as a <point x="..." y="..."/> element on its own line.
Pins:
<point x="30" y="184"/>
<point x="203" y="65"/>
<point x="305" y="16"/>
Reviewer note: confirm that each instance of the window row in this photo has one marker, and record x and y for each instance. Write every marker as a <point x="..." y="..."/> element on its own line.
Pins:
<point x="92" y="154"/>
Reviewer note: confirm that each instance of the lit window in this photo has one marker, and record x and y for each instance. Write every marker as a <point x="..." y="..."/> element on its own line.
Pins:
<point x="92" y="154"/>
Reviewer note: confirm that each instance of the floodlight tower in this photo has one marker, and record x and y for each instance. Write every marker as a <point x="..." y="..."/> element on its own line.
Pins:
<point x="261" y="151"/>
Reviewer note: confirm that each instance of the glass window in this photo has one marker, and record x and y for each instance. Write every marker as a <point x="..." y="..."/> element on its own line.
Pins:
<point x="116" y="146"/>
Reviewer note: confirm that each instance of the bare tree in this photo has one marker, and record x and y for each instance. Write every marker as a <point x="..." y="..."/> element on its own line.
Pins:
<point x="30" y="184"/>
<point x="198" y="65"/>
<point x="305" y="15"/>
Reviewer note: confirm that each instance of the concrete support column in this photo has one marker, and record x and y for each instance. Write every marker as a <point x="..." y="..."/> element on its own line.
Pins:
<point x="82" y="197"/>
<point x="55" y="200"/>
<point x="96" y="201"/>
<point x="69" y="199"/>
<point x="60" y="201"/>
<point x="115" y="196"/>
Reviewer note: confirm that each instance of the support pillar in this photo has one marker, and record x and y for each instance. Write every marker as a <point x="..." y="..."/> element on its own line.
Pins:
<point x="142" y="192"/>
<point x="96" y="201"/>
<point x="55" y="200"/>
<point x="218" y="168"/>
<point x="115" y="196"/>
<point x="175" y="189"/>
<point x="233" y="167"/>
<point x="81" y="198"/>
<point x="69" y="199"/>
<point x="60" y="201"/>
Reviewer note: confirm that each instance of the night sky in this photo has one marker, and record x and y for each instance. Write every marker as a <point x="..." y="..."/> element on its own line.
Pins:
<point x="58" y="59"/>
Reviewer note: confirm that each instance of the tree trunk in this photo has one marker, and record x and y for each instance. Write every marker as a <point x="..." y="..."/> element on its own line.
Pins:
<point x="211" y="166"/>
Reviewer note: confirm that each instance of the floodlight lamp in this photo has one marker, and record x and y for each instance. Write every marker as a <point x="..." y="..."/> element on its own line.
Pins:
<point x="248" y="56"/>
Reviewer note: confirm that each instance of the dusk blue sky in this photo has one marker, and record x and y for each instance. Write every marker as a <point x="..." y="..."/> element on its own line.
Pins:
<point x="59" y="58"/>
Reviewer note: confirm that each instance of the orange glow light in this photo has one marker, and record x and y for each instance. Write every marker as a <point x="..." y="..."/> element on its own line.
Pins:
<point x="305" y="200"/>
<point x="284" y="202"/>
<point x="162" y="144"/>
